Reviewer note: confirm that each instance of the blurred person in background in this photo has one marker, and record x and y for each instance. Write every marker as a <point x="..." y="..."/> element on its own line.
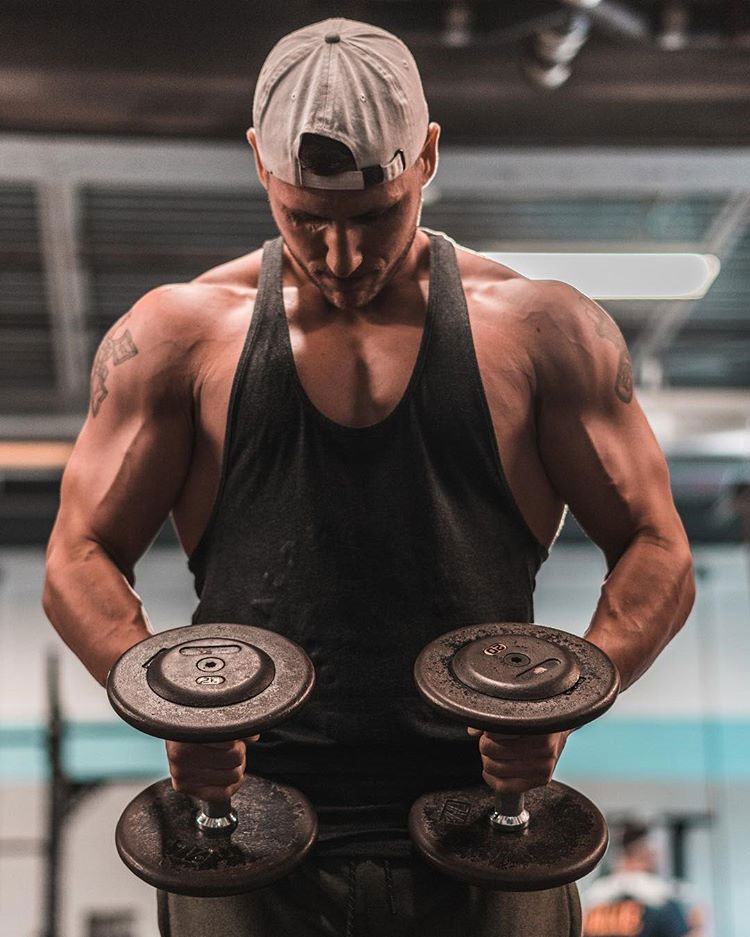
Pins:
<point x="635" y="901"/>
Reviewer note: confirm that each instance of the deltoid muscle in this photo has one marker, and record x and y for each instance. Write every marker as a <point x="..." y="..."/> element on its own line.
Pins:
<point x="606" y="328"/>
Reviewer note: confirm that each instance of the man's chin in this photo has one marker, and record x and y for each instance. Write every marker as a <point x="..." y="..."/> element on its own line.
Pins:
<point x="350" y="298"/>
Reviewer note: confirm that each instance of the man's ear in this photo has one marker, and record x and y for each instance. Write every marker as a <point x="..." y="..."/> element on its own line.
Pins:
<point x="252" y="139"/>
<point x="428" y="158"/>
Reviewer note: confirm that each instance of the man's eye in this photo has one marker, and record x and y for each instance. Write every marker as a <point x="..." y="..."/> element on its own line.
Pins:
<point x="302" y="219"/>
<point x="385" y="212"/>
<point x="312" y="221"/>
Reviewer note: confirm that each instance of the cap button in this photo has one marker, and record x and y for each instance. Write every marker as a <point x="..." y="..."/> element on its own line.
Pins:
<point x="333" y="37"/>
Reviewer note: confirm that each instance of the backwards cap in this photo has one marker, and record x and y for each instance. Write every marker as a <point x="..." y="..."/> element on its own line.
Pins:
<point x="350" y="81"/>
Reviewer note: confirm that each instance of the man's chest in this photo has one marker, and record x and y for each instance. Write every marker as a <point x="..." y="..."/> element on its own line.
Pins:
<point x="356" y="376"/>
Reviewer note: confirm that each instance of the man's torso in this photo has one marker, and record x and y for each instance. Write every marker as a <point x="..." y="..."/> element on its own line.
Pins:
<point x="356" y="369"/>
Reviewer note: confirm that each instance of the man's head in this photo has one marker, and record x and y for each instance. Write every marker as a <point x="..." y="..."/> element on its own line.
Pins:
<point x="637" y="851"/>
<point x="343" y="147"/>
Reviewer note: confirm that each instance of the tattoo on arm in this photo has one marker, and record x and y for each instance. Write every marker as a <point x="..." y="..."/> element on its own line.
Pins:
<point x="115" y="347"/>
<point x="606" y="328"/>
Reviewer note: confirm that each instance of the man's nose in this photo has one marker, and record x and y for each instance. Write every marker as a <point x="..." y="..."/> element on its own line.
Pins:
<point x="344" y="252"/>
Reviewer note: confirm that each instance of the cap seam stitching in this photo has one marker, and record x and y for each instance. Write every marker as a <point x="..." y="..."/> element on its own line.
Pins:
<point x="326" y="120"/>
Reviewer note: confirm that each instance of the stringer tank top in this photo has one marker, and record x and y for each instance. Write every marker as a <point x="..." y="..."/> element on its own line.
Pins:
<point x="362" y="544"/>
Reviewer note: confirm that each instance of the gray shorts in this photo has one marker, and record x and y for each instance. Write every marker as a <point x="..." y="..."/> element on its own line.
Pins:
<point x="373" y="898"/>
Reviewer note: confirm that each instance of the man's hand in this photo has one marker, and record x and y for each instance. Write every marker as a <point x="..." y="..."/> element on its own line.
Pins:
<point x="208" y="770"/>
<point x="516" y="763"/>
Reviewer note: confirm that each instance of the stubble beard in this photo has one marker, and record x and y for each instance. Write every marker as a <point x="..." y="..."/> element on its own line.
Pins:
<point x="355" y="300"/>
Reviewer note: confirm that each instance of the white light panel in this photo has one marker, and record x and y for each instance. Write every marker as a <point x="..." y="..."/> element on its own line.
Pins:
<point x="600" y="275"/>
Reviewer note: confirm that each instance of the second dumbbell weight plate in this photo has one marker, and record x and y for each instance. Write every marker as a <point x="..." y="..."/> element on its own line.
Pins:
<point x="565" y="839"/>
<point x="158" y="840"/>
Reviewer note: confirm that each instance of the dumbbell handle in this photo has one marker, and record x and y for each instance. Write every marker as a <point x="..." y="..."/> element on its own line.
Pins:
<point x="509" y="814"/>
<point x="216" y="816"/>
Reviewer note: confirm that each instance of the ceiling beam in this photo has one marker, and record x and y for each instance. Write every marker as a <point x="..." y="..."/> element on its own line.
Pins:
<point x="667" y="318"/>
<point x="616" y="95"/>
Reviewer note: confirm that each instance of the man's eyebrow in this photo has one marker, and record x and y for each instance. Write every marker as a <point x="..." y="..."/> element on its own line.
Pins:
<point x="378" y="210"/>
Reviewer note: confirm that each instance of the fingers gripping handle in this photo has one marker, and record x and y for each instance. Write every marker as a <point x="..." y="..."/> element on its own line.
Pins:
<point x="510" y="814"/>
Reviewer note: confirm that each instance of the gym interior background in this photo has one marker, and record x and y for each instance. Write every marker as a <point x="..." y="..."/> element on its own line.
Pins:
<point x="577" y="126"/>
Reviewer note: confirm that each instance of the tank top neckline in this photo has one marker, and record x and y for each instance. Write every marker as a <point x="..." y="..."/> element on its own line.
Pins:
<point x="277" y="308"/>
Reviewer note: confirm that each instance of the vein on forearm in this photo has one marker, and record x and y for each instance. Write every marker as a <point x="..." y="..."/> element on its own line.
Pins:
<point x="644" y="602"/>
<point x="92" y="605"/>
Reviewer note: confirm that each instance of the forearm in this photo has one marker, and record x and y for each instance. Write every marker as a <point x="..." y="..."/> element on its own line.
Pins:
<point x="645" y="600"/>
<point x="91" y="605"/>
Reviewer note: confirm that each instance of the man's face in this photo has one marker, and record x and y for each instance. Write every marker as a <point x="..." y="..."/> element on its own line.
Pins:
<point x="349" y="243"/>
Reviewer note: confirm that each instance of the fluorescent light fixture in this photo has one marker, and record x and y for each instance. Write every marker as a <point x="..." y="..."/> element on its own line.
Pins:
<point x="621" y="276"/>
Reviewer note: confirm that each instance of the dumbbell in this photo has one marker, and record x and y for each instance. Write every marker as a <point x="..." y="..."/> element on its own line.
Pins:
<point x="213" y="683"/>
<point x="516" y="679"/>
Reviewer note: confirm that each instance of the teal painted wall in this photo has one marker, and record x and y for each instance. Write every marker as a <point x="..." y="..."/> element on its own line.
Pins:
<point x="611" y="748"/>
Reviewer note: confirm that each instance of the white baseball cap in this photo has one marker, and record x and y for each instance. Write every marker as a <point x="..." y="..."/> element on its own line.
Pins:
<point x="350" y="81"/>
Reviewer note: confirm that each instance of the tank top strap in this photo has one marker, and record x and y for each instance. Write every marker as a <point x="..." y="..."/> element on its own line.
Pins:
<point x="269" y="282"/>
<point x="265" y="311"/>
<point x="451" y="383"/>
<point x="269" y="301"/>
<point x="447" y="293"/>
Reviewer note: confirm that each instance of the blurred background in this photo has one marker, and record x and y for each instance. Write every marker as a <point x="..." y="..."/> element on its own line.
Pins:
<point x="577" y="126"/>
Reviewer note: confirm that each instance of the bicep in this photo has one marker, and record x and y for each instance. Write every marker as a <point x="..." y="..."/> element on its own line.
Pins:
<point x="597" y="447"/>
<point x="132" y="454"/>
<point x="118" y="490"/>
<point x="608" y="469"/>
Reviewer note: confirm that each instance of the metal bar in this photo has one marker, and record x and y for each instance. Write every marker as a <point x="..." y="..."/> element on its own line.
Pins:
<point x="677" y="829"/>
<point x="65" y="288"/>
<point x="518" y="171"/>
<point x="55" y="781"/>
<point x="63" y="796"/>
<point x="509" y="814"/>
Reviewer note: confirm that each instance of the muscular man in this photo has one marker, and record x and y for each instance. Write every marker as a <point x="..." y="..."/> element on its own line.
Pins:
<point x="366" y="436"/>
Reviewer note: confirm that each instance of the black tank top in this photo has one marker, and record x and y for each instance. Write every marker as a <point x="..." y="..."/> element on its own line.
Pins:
<point x="362" y="544"/>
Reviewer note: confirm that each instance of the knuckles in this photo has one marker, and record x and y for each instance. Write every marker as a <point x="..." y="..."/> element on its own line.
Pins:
<point x="514" y="765"/>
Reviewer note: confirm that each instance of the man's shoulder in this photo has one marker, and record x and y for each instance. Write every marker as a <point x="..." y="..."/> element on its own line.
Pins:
<point x="187" y="303"/>
<point x="573" y="338"/>
<point x="568" y="338"/>
<point x="496" y="286"/>
<point x="166" y="330"/>
<point x="483" y="274"/>
<point x="539" y="302"/>
<point x="547" y="317"/>
<point x="239" y="273"/>
<point x="186" y="311"/>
